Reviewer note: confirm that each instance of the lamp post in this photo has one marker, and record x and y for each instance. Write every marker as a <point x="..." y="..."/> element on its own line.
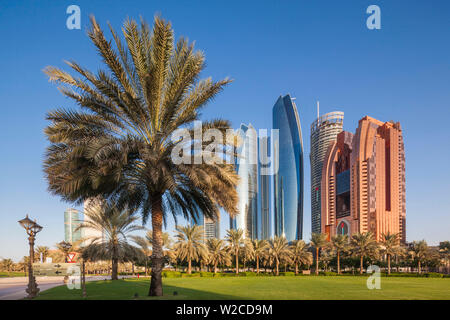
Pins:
<point x="32" y="228"/>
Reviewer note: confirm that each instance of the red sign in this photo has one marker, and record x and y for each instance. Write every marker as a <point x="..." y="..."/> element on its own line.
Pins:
<point x="71" y="257"/>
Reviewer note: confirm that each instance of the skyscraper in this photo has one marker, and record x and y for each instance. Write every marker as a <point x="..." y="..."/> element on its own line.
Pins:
<point x="264" y="217"/>
<point x="288" y="181"/>
<point x="324" y="130"/>
<point x="209" y="227"/>
<point x="247" y="169"/>
<point x="363" y="181"/>
<point x="72" y="221"/>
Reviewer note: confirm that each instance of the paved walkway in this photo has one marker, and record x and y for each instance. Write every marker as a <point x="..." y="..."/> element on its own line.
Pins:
<point x="14" y="288"/>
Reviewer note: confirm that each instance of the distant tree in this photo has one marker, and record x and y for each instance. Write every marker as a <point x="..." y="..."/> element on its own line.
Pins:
<point x="318" y="241"/>
<point x="235" y="239"/>
<point x="418" y="252"/>
<point x="340" y="243"/>
<point x="389" y="246"/>
<point x="218" y="253"/>
<point x="259" y="248"/>
<point x="115" y="226"/>
<point x="189" y="244"/>
<point x="363" y="245"/>
<point x="8" y="265"/>
<point x="278" y="250"/>
<point x="300" y="254"/>
<point x="42" y="250"/>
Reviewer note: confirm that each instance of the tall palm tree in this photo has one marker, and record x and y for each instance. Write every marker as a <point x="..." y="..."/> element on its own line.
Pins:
<point x="166" y="240"/>
<point x="444" y="249"/>
<point x="218" y="253"/>
<point x="389" y="246"/>
<point x="363" y="245"/>
<point x="419" y="252"/>
<point x="318" y="241"/>
<point x="300" y="254"/>
<point x="146" y="249"/>
<point x="259" y="248"/>
<point x="115" y="225"/>
<point x="340" y="243"/>
<point x="43" y="250"/>
<point x="119" y="144"/>
<point x="190" y="244"/>
<point x="279" y="250"/>
<point x="235" y="239"/>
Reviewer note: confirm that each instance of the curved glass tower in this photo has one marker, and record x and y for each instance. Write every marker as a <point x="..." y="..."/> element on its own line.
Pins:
<point x="288" y="180"/>
<point x="247" y="169"/>
<point x="324" y="131"/>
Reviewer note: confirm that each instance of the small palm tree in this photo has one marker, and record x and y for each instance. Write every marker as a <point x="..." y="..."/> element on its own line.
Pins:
<point x="115" y="225"/>
<point x="318" y="241"/>
<point x="42" y="250"/>
<point x="389" y="246"/>
<point x="7" y="264"/>
<point x="235" y="239"/>
<point x="278" y="250"/>
<point x="300" y="254"/>
<point x="259" y="248"/>
<point x="145" y="247"/>
<point x="363" y="245"/>
<point x="190" y="244"/>
<point x="419" y="252"/>
<point x="218" y="253"/>
<point x="119" y="143"/>
<point x="340" y="244"/>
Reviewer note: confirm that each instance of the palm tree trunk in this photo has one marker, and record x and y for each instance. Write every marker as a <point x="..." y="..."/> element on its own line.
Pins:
<point x="419" y="267"/>
<point x="237" y="262"/>
<point x="361" y="265"/>
<point x="114" y="269"/>
<point x="215" y="267"/>
<point x="156" y="288"/>
<point x="257" y="265"/>
<point x="189" y="266"/>
<point x="317" y="261"/>
<point x="277" y="267"/>
<point x="389" y="263"/>
<point x="338" y="262"/>
<point x="296" y="268"/>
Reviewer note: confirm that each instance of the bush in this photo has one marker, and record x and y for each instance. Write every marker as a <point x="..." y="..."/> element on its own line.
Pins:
<point x="206" y="274"/>
<point x="171" y="274"/>
<point x="287" y="274"/>
<point x="330" y="273"/>
<point x="434" y="275"/>
<point x="192" y="275"/>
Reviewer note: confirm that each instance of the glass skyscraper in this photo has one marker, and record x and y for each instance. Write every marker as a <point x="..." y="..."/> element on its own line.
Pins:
<point x="71" y="222"/>
<point x="288" y="181"/>
<point x="324" y="131"/>
<point x="247" y="169"/>
<point x="210" y="227"/>
<point x="264" y="218"/>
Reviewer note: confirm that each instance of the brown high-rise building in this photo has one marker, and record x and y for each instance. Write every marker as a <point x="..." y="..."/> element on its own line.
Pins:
<point x="363" y="181"/>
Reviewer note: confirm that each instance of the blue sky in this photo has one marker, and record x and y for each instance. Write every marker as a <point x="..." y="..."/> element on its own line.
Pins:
<point x="314" y="50"/>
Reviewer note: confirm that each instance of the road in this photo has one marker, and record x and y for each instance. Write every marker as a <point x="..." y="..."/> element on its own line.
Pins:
<point x="14" y="288"/>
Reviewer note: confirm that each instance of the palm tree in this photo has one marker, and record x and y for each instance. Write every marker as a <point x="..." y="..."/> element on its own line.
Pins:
<point x="340" y="244"/>
<point x="278" y="250"/>
<point x="7" y="264"/>
<point x="363" y="245"/>
<point x="218" y="253"/>
<point x="318" y="241"/>
<point x="390" y="246"/>
<point x="419" y="252"/>
<point x="115" y="225"/>
<point x="146" y="248"/>
<point x="444" y="249"/>
<point x="166" y="241"/>
<point x="259" y="247"/>
<point x="120" y="146"/>
<point x="190" y="244"/>
<point x="300" y="254"/>
<point x="235" y="239"/>
<point x="43" y="250"/>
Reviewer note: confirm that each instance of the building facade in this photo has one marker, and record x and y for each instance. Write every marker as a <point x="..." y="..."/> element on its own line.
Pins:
<point x="72" y="220"/>
<point x="288" y="180"/>
<point x="247" y="169"/>
<point x="324" y="131"/>
<point x="363" y="181"/>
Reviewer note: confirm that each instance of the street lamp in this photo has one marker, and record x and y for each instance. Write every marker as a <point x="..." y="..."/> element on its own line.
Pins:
<point x="32" y="229"/>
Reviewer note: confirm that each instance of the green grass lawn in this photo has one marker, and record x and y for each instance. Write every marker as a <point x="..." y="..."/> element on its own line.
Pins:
<point x="270" y="288"/>
<point x="11" y="274"/>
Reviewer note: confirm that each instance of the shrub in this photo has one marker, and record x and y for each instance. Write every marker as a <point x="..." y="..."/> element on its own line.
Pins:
<point x="171" y="274"/>
<point x="206" y="274"/>
<point x="192" y="275"/>
<point x="434" y="275"/>
<point x="330" y="273"/>
<point x="287" y="274"/>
